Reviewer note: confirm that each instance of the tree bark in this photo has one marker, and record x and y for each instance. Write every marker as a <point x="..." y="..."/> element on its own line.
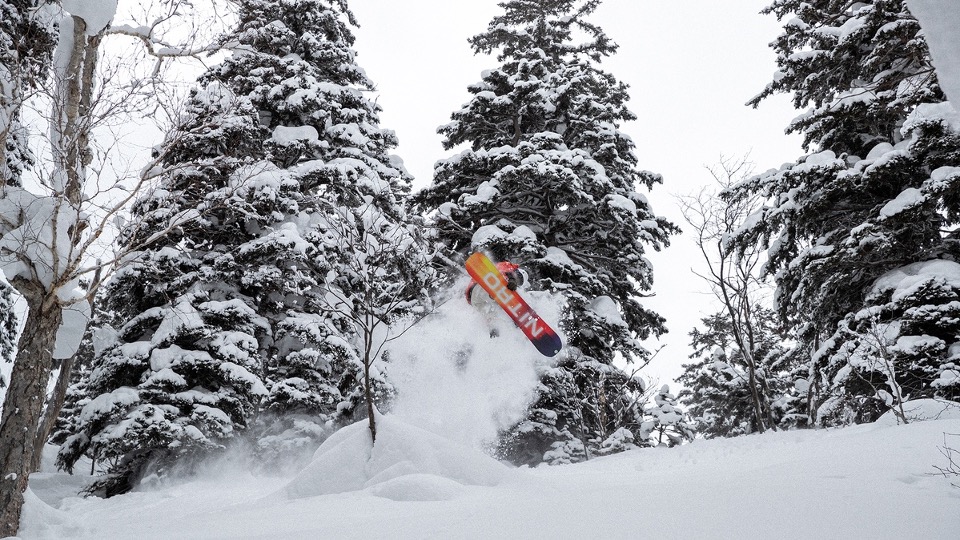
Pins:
<point x="23" y="406"/>
<point x="56" y="401"/>
<point x="367" y="390"/>
<point x="52" y="412"/>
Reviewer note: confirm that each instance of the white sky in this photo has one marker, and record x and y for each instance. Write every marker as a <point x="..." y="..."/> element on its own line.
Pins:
<point x="691" y="66"/>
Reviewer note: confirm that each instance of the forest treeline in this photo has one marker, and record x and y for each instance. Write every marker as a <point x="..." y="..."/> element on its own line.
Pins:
<point x="274" y="243"/>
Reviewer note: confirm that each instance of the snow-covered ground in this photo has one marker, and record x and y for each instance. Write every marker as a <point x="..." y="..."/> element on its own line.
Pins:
<point x="872" y="481"/>
<point x="427" y="478"/>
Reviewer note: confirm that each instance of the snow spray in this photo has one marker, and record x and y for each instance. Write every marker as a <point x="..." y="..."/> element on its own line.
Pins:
<point x="457" y="381"/>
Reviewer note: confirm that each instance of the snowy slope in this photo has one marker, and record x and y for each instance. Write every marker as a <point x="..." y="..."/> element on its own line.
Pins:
<point x="872" y="481"/>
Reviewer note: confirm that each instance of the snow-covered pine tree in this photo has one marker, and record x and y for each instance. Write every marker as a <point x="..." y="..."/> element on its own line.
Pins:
<point x="8" y="325"/>
<point x="550" y="181"/>
<point x="26" y="48"/>
<point x="183" y="373"/>
<point x="669" y="422"/>
<point x="861" y="230"/>
<point x="325" y="130"/>
<point x="232" y="320"/>
<point x="717" y="393"/>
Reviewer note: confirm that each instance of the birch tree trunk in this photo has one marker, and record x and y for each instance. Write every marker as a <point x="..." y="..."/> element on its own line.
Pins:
<point x="23" y="405"/>
<point x="52" y="412"/>
<point x="53" y="259"/>
<point x="79" y="86"/>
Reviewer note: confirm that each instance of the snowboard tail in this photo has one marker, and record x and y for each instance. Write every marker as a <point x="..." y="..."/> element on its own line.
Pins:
<point x="485" y="273"/>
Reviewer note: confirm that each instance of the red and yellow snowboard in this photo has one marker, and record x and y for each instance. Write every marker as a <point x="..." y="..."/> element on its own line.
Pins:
<point x="485" y="273"/>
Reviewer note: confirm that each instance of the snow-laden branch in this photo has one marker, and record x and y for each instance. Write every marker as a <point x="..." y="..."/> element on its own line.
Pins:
<point x="157" y="47"/>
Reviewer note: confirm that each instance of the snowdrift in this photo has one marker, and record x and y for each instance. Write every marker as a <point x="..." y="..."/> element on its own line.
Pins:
<point x="406" y="464"/>
<point x="922" y="410"/>
<point x="877" y="481"/>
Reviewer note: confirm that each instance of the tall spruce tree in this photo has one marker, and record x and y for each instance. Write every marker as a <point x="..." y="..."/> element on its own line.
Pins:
<point x="550" y="181"/>
<point x="225" y="326"/>
<point x="861" y="230"/>
<point x="183" y="373"/>
<point x="310" y="92"/>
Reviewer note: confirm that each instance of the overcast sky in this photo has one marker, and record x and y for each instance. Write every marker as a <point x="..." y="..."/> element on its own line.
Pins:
<point x="691" y="66"/>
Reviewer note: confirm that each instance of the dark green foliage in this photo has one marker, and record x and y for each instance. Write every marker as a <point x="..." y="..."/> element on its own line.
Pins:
<point x="717" y="393"/>
<point x="26" y="50"/>
<point x="858" y="68"/>
<point x="8" y="325"/>
<point x="549" y="181"/>
<point x="182" y="374"/>
<point x="876" y="198"/>
<point x="225" y="323"/>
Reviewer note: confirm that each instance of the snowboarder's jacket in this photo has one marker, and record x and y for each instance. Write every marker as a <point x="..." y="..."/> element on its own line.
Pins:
<point x="508" y="269"/>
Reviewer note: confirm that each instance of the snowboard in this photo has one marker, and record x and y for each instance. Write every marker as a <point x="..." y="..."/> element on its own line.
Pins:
<point x="485" y="273"/>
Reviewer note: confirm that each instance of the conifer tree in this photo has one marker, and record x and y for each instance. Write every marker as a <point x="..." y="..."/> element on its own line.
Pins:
<point x="670" y="421"/>
<point x="8" y="325"/>
<point x="183" y="373"/>
<point x="549" y="180"/>
<point x="231" y="330"/>
<point x="717" y="392"/>
<point x="308" y="89"/>
<point x="861" y="230"/>
<point x="26" y="47"/>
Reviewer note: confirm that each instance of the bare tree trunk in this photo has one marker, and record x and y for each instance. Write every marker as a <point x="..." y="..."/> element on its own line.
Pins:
<point x="602" y="405"/>
<point x="763" y="387"/>
<point x="755" y="395"/>
<point x="23" y="405"/>
<point x="75" y="139"/>
<point x="370" y="408"/>
<point x="55" y="402"/>
<point x="752" y="380"/>
<point x="52" y="412"/>
<point x="367" y="391"/>
<point x="812" y="389"/>
<point x="738" y="323"/>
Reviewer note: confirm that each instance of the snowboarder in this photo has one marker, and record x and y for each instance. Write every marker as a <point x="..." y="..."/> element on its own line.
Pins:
<point x="478" y="298"/>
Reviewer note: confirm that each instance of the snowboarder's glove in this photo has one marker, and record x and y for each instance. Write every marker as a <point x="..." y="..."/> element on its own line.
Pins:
<point x="512" y="281"/>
